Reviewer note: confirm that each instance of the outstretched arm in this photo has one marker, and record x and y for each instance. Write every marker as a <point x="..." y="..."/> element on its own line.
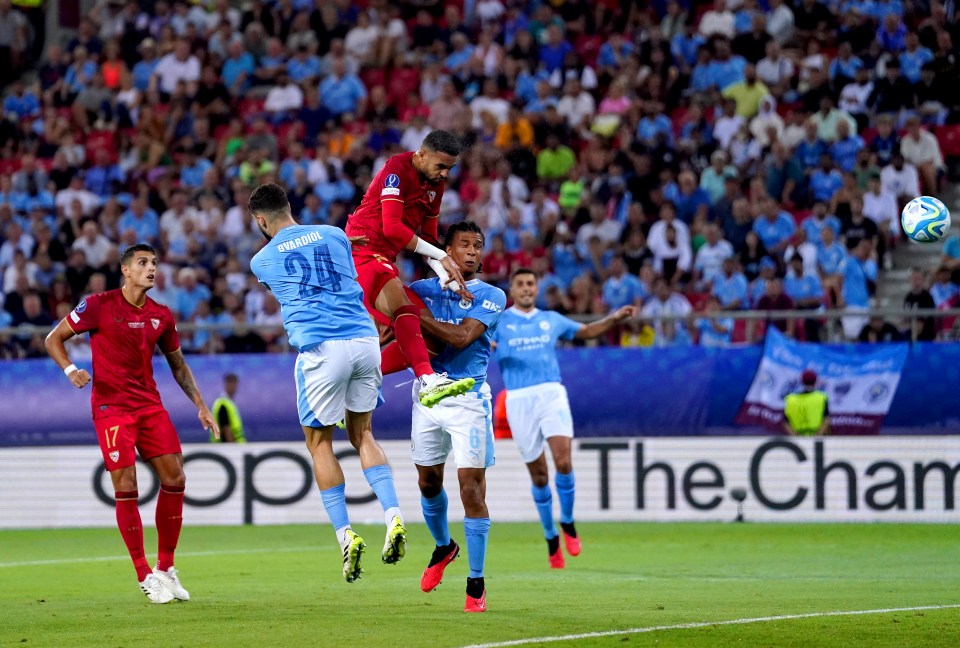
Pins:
<point x="184" y="377"/>
<point x="598" y="328"/>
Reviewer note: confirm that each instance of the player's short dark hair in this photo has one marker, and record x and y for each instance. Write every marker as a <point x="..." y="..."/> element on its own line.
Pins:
<point x="131" y="252"/>
<point x="442" y="141"/>
<point x="268" y="200"/>
<point x="523" y="271"/>
<point x="463" y="226"/>
<point x="230" y="377"/>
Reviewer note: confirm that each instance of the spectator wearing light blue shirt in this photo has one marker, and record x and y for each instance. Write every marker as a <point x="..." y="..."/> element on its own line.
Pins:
<point x="726" y="68"/>
<point x="846" y="147"/>
<point x="730" y="287"/>
<point x="774" y="227"/>
<point x="806" y="291"/>
<point x="858" y="274"/>
<point x="21" y="103"/>
<point x="845" y="66"/>
<point x="313" y="213"/>
<point x="141" y="220"/>
<point x="654" y="123"/>
<point x="951" y="256"/>
<point x="811" y="148"/>
<point x="238" y="69"/>
<point x="826" y="181"/>
<point x="715" y="331"/>
<point x="689" y="199"/>
<point x="685" y="47"/>
<point x="943" y="290"/>
<point x="143" y="70"/>
<point x="913" y="58"/>
<point x="892" y="37"/>
<point x="304" y="66"/>
<point x="100" y="178"/>
<point x="614" y="52"/>
<point x="193" y="169"/>
<point x="621" y="288"/>
<point x="813" y="224"/>
<point x="830" y="253"/>
<point x="189" y="294"/>
<point x="341" y="92"/>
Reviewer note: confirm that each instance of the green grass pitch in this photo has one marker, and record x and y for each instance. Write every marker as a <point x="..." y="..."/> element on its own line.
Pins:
<point x="281" y="586"/>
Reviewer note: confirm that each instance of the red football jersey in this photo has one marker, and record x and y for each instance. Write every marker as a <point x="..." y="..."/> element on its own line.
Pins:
<point x="399" y="181"/>
<point x="122" y="338"/>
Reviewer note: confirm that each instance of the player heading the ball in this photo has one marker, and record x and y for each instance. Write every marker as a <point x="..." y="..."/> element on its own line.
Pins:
<point x="403" y="200"/>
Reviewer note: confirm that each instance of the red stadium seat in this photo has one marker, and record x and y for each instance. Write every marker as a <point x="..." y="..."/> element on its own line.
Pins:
<point x="949" y="139"/>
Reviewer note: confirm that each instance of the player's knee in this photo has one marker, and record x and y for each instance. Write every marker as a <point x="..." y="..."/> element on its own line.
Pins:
<point x="176" y="481"/>
<point x="406" y="309"/>
<point x="540" y="479"/>
<point x="471" y="494"/>
<point x="563" y="464"/>
<point x="430" y="484"/>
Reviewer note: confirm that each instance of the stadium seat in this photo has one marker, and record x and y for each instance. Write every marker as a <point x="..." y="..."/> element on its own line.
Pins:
<point x="949" y="139"/>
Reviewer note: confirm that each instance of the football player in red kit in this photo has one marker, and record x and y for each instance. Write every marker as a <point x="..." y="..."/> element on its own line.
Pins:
<point x="125" y="326"/>
<point x="402" y="200"/>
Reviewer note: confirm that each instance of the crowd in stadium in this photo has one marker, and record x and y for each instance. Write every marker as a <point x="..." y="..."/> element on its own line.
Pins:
<point x="745" y="154"/>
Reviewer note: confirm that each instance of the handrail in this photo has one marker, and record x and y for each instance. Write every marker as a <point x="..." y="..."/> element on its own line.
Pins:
<point x="27" y="330"/>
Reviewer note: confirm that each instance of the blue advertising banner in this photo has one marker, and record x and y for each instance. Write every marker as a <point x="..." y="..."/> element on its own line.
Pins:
<point x="860" y="386"/>
<point x="673" y="391"/>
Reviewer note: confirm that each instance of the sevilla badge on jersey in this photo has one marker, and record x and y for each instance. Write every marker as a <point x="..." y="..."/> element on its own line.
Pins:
<point x="115" y="456"/>
<point x="156" y="323"/>
<point x="432" y="194"/>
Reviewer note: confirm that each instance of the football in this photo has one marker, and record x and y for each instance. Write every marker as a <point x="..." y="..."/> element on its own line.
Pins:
<point x="925" y="219"/>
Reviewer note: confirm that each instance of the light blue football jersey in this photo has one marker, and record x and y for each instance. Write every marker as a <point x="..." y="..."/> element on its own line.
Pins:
<point x="310" y="270"/>
<point x="526" y="346"/>
<point x="445" y="306"/>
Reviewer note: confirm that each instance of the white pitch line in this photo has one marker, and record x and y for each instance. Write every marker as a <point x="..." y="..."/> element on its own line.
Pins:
<point x="705" y="624"/>
<point x="180" y="554"/>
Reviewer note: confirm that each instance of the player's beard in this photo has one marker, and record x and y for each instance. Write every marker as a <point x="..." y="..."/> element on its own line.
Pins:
<point x="264" y="232"/>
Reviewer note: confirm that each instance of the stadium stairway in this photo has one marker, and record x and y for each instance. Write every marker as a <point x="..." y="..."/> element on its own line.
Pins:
<point x="894" y="284"/>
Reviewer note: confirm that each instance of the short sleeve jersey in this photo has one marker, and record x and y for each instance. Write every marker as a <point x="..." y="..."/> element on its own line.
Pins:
<point x="311" y="272"/>
<point x="123" y="338"/>
<point x="397" y="180"/>
<point x="445" y="306"/>
<point x="526" y="346"/>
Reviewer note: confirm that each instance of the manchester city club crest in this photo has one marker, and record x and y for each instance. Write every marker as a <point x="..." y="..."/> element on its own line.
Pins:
<point x="464" y="303"/>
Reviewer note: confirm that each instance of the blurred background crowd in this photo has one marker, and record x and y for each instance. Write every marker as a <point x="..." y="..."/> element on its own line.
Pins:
<point x="683" y="157"/>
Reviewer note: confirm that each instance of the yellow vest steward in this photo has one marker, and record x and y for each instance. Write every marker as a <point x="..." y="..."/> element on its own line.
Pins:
<point x="233" y="414"/>
<point x="805" y="411"/>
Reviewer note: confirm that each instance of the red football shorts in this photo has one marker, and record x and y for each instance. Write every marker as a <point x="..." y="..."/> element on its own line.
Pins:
<point x="150" y="432"/>
<point x="373" y="273"/>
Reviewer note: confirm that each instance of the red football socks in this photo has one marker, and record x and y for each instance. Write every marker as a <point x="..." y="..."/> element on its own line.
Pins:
<point x="406" y="328"/>
<point x="169" y="523"/>
<point x="392" y="359"/>
<point x="131" y="529"/>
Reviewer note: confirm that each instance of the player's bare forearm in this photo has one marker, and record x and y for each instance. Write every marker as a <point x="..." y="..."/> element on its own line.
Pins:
<point x="598" y="328"/>
<point x="788" y="429"/>
<point x="55" y="346"/>
<point x="458" y="336"/>
<point x="184" y="377"/>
